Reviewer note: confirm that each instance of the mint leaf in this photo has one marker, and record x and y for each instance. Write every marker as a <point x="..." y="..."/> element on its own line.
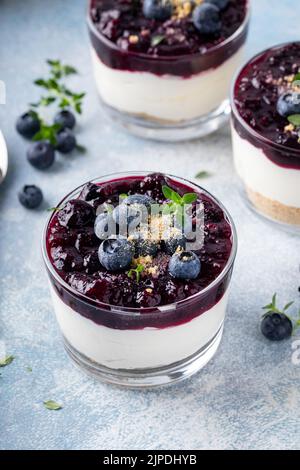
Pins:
<point x="294" y="119"/>
<point x="202" y="174"/>
<point x="156" y="40"/>
<point x="52" y="405"/>
<point x="189" y="198"/>
<point x="6" y="361"/>
<point x="167" y="192"/>
<point x="296" y="77"/>
<point x="287" y="306"/>
<point x="81" y="148"/>
<point x="137" y="271"/>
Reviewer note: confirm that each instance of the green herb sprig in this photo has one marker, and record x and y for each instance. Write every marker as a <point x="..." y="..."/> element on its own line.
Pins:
<point x="177" y="203"/>
<point x="47" y="133"/>
<point x="272" y="307"/>
<point x="137" y="272"/>
<point x="56" y="90"/>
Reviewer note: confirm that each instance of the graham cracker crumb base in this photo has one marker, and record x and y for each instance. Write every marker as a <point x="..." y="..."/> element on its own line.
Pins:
<point x="274" y="209"/>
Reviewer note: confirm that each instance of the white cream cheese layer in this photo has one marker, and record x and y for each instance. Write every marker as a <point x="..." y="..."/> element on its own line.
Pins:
<point x="166" y="97"/>
<point x="138" y="349"/>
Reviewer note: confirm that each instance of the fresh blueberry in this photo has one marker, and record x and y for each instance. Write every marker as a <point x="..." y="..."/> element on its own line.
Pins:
<point x="139" y="199"/>
<point x="176" y="241"/>
<point x="116" y="254"/>
<point x="133" y="210"/>
<point x="28" y="125"/>
<point x="156" y="10"/>
<point x="288" y="104"/>
<point x="206" y="19"/>
<point x="276" y="326"/>
<point x="30" y="196"/>
<point x="184" y="265"/>
<point x="221" y="4"/>
<point x="65" y="119"/>
<point x="75" y="214"/>
<point x="66" y="141"/>
<point x="41" y="154"/>
<point x="104" y="225"/>
<point x="143" y="245"/>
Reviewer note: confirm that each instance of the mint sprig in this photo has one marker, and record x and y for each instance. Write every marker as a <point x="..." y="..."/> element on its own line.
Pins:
<point x="187" y="198"/>
<point x="177" y="203"/>
<point x="47" y="133"/>
<point x="272" y="307"/>
<point x="137" y="272"/>
<point x="57" y="91"/>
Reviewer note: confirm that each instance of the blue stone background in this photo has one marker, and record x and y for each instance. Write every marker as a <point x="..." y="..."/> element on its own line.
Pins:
<point x="248" y="397"/>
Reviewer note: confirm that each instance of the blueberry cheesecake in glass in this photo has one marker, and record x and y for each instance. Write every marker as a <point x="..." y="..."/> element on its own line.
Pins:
<point x="266" y="132"/>
<point x="163" y="67"/>
<point x="139" y="267"/>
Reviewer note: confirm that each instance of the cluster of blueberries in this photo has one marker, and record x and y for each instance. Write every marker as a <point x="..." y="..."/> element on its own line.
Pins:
<point x="41" y="154"/>
<point x="206" y="16"/>
<point x="116" y="253"/>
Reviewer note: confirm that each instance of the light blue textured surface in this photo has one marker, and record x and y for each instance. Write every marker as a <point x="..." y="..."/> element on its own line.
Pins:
<point x="249" y="395"/>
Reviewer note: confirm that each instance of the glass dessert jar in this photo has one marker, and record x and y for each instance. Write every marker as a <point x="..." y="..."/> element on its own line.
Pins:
<point x="163" y="79"/>
<point x="179" y="331"/>
<point x="266" y="145"/>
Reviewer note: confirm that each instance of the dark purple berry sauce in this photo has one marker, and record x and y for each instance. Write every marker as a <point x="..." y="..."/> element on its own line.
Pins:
<point x="72" y="248"/>
<point x="256" y="92"/>
<point x="125" y="39"/>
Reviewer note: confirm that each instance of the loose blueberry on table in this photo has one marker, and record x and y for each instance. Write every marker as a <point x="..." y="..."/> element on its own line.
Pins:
<point x="30" y="196"/>
<point x="275" y="324"/>
<point x="28" y="125"/>
<point x="41" y="154"/>
<point x="141" y="270"/>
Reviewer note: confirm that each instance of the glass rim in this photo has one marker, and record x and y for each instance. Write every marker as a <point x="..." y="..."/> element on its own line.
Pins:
<point x="268" y="142"/>
<point x="170" y="58"/>
<point x="135" y="311"/>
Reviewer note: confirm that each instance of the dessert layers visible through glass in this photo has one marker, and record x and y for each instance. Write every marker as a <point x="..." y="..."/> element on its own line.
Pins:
<point x="164" y="78"/>
<point x="266" y="132"/>
<point x="156" y="316"/>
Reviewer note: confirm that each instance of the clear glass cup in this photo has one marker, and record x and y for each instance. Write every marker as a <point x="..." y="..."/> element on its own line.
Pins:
<point x="169" y="98"/>
<point x="269" y="172"/>
<point x="141" y="347"/>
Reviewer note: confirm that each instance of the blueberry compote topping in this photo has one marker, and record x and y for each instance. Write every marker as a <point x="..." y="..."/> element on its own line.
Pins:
<point x="266" y="95"/>
<point x="165" y="28"/>
<point x="130" y="272"/>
